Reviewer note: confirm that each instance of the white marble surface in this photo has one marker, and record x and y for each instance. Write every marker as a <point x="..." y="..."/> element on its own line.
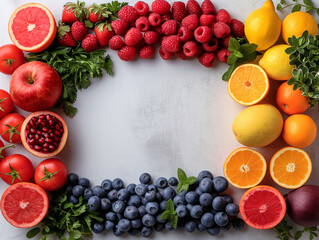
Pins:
<point x="153" y="116"/>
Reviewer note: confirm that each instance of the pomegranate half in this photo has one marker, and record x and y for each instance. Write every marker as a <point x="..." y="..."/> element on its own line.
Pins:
<point x="44" y="133"/>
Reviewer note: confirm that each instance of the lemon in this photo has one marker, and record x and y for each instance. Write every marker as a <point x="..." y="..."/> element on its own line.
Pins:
<point x="275" y="62"/>
<point x="263" y="26"/>
<point x="298" y="22"/>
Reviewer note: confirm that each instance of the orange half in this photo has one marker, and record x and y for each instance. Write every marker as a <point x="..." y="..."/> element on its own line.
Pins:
<point x="248" y="84"/>
<point x="290" y="167"/>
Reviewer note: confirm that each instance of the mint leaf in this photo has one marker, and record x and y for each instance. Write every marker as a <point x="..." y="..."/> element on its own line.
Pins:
<point x="170" y="213"/>
<point x="181" y="175"/>
<point x="191" y="180"/>
<point x="169" y="205"/>
<point x="184" y="182"/>
<point x="233" y="45"/>
<point x="174" y="221"/>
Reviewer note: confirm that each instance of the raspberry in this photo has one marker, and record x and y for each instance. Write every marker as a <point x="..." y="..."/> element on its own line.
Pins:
<point x="181" y="55"/>
<point x="116" y="42"/>
<point x="127" y="53"/>
<point x="150" y="37"/>
<point x="193" y="8"/>
<point x="161" y="6"/>
<point x="206" y="59"/>
<point x="237" y="28"/>
<point x="158" y="30"/>
<point x="191" y="21"/>
<point x="166" y="17"/>
<point x="170" y="43"/>
<point x="142" y="24"/>
<point x="169" y="27"/>
<point x="211" y="45"/>
<point x="165" y="54"/>
<point x="142" y="8"/>
<point x="140" y="44"/>
<point x="146" y="52"/>
<point x="190" y="49"/>
<point x="225" y="41"/>
<point x="207" y="20"/>
<point x="208" y="7"/>
<point x="179" y="11"/>
<point x="155" y="19"/>
<point x="90" y="43"/>
<point x="120" y="27"/>
<point x="128" y="14"/>
<point x="184" y="34"/>
<point x="223" y="54"/>
<point x="221" y="30"/>
<point x="78" y="30"/>
<point x="223" y="16"/>
<point x="203" y="34"/>
<point x="133" y="36"/>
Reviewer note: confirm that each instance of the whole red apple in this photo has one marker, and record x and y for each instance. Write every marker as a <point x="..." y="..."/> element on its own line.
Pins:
<point x="35" y="86"/>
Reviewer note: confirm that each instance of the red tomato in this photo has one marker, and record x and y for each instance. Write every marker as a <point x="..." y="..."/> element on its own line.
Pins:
<point x="51" y="174"/>
<point x="16" y="168"/>
<point x="10" y="127"/>
<point x="6" y="103"/>
<point x="3" y="149"/>
<point x="11" y="58"/>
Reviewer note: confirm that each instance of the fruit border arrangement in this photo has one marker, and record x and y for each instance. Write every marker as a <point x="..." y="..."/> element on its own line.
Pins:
<point x="63" y="59"/>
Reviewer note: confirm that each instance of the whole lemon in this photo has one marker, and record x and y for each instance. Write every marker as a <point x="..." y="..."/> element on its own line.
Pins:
<point x="263" y="26"/>
<point x="275" y="62"/>
<point x="298" y="22"/>
<point x="258" y="125"/>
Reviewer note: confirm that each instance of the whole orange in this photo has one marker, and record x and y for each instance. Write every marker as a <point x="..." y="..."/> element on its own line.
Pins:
<point x="291" y="101"/>
<point x="299" y="130"/>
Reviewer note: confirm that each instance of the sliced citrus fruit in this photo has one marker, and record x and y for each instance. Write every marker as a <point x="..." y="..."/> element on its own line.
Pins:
<point x="24" y="204"/>
<point x="245" y="167"/>
<point x="248" y="84"/>
<point x="32" y="27"/>
<point x="290" y="167"/>
<point x="262" y="207"/>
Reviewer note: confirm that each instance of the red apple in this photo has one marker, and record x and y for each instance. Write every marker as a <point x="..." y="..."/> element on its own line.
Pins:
<point x="35" y="86"/>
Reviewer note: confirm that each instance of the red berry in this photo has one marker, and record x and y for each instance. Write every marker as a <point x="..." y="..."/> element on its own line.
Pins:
<point x="211" y="45"/>
<point x="221" y="30"/>
<point x="223" y="16"/>
<point x="170" y="43"/>
<point x="155" y="19"/>
<point x="181" y="55"/>
<point x="127" y="53"/>
<point x="90" y="43"/>
<point x="203" y="34"/>
<point x="237" y="28"/>
<point x="225" y="41"/>
<point x="166" y="17"/>
<point x="103" y="34"/>
<point x="133" y="36"/>
<point x="165" y="54"/>
<point x="150" y="37"/>
<point x="206" y="59"/>
<point x="161" y="7"/>
<point x="78" y="30"/>
<point x="193" y="8"/>
<point x="184" y="34"/>
<point x="128" y="14"/>
<point x="207" y="20"/>
<point x="179" y="11"/>
<point x="146" y="52"/>
<point x="116" y="43"/>
<point x="190" y="21"/>
<point x="142" y="24"/>
<point x="223" y="54"/>
<point x="72" y="12"/>
<point x="142" y="8"/>
<point x="208" y="7"/>
<point x="190" y="49"/>
<point x="95" y="13"/>
<point x="169" y="27"/>
<point x="65" y="37"/>
<point x="120" y="27"/>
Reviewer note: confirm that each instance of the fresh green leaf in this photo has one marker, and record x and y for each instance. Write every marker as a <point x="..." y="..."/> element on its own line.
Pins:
<point x="169" y="205"/>
<point x="233" y="44"/>
<point x="184" y="181"/>
<point x="165" y="215"/>
<point x="307" y="2"/>
<point x="33" y="232"/>
<point x="181" y="174"/>
<point x="232" y="59"/>
<point x="191" y="180"/>
<point x="298" y="234"/>
<point x="174" y="221"/>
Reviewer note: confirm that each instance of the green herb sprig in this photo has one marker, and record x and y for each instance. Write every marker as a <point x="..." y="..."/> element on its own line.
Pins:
<point x="307" y="6"/>
<point x="170" y="213"/>
<point x="184" y="181"/>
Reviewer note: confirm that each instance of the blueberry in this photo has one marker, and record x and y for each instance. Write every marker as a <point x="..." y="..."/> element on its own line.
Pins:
<point x="196" y="211"/>
<point x="161" y="182"/>
<point x="94" y="203"/>
<point x="117" y="232"/>
<point x="206" y="185"/>
<point x="227" y="227"/>
<point x="144" y="201"/>
<point x="141" y="189"/>
<point x="207" y="220"/>
<point x="183" y="193"/>
<point x="152" y="187"/>
<point x="181" y="211"/>
<point x="163" y="205"/>
<point x="173" y="181"/>
<point x="169" y="193"/>
<point x="199" y="191"/>
<point x="69" y="189"/>
<point x="192" y="197"/>
<point x="88" y="192"/>
<point x="145" y="178"/>
<point x="200" y="227"/>
<point x="189" y="206"/>
<point x="105" y="204"/>
<point x="205" y="199"/>
<point x="220" y="184"/>
<point x="152" y="208"/>
<point x="159" y="218"/>
<point x="98" y="191"/>
<point x="148" y="220"/>
<point x="111" y="216"/>
<point x="123" y="194"/>
<point x="141" y="210"/>
<point x="159" y="197"/>
<point x="73" y="199"/>
<point x="117" y="183"/>
<point x="159" y="227"/>
<point x="221" y="219"/>
<point x="119" y="216"/>
<point x="84" y="182"/>
<point x="112" y="195"/>
<point x="130" y="212"/>
<point x="109" y="225"/>
<point x="118" y="206"/>
<point x="190" y="226"/>
<point x="124" y="225"/>
<point x="98" y="227"/>
<point x="146" y="231"/>
<point x="131" y="188"/>
<point x="136" y="223"/>
<point x="133" y="231"/>
<point x="179" y="200"/>
<point x="107" y="185"/>
<point x="73" y="179"/>
<point x="232" y="209"/>
<point x="238" y="223"/>
<point x="219" y="203"/>
<point x="77" y="191"/>
<point x="228" y="198"/>
<point x="150" y="196"/>
<point x="204" y="174"/>
<point x="213" y="230"/>
<point x="168" y="226"/>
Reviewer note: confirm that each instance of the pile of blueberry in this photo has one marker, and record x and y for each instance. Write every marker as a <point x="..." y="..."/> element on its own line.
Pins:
<point x="138" y="207"/>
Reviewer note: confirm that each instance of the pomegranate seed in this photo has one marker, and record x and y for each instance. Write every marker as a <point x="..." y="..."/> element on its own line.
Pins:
<point x="37" y="148"/>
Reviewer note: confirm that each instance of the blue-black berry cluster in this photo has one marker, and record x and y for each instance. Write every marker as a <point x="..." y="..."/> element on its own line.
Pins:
<point x="137" y="208"/>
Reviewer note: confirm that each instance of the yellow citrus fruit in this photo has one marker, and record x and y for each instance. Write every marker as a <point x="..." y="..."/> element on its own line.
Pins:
<point x="248" y="84"/>
<point x="275" y="62"/>
<point x="298" y="22"/>
<point x="245" y="168"/>
<point x="263" y="26"/>
<point x="290" y="167"/>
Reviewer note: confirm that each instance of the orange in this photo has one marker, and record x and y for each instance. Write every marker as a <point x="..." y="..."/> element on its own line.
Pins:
<point x="290" y="167"/>
<point x="248" y="84"/>
<point x="245" y="167"/>
<point x="262" y="207"/>
<point x="299" y="130"/>
<point x="32" y="27"/>
<point x="291" y="101"/>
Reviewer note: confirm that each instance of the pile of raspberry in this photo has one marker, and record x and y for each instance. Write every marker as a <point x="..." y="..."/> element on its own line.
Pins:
<point x="187" y="31"/>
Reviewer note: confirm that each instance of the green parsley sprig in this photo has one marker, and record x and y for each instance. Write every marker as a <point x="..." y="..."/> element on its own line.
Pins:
<point x="184" y="181"/>
<point x="296" y="6"/>
<point x="170" y="214"/>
